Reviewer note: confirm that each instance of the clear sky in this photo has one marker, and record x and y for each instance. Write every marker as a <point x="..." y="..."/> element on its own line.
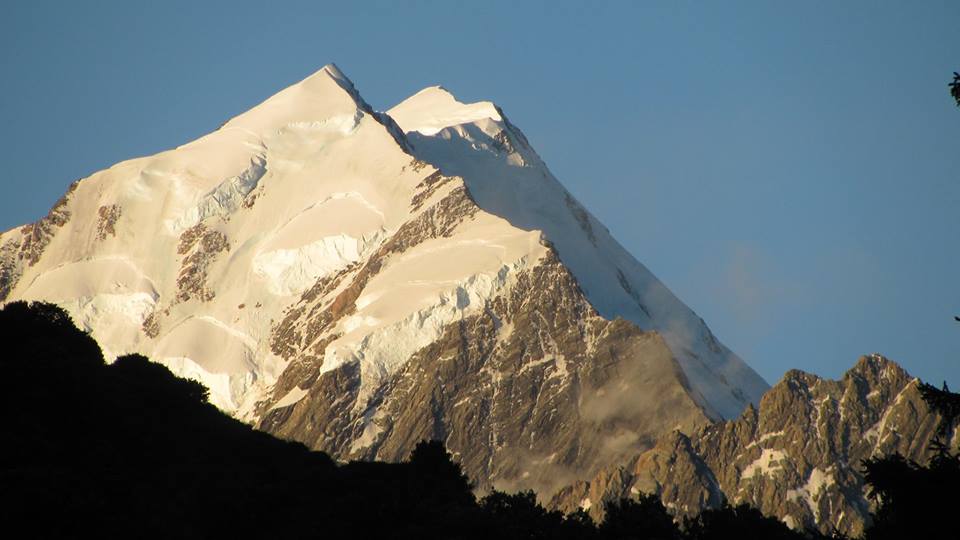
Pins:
<point x="790" y="170"/>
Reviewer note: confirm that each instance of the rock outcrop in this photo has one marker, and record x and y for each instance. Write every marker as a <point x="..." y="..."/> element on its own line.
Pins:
<point x="798" y="457"/>
<point x="533" y="391"/>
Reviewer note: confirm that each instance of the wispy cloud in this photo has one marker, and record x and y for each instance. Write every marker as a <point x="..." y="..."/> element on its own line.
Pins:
<point x="756" y="287"/>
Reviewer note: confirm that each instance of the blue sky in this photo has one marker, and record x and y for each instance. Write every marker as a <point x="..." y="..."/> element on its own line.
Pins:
<point x="790" y="170"/>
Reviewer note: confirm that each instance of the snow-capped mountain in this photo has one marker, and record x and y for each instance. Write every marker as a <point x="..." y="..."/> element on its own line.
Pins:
<point x="359" y="281"/>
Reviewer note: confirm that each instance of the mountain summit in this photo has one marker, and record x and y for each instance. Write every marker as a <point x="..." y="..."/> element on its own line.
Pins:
<point x="360" y="281"/>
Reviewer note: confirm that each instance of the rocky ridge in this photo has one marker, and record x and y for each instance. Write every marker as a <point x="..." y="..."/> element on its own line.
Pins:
<point x="798" y="457"/>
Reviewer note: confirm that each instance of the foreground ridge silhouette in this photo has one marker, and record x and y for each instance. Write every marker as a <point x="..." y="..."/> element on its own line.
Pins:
<point x="130" y="450"/>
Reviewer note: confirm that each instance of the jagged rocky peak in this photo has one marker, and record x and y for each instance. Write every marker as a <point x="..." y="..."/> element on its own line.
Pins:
<point x="798" y="457"/>
<point x="358" y="283"/>
<point x="876" y="370"/>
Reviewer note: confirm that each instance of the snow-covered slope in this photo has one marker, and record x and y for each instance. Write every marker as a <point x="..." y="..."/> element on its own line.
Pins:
<point x="359" y="280"/>
<point x="208" y="242"/>
<point x="507" y="178"/>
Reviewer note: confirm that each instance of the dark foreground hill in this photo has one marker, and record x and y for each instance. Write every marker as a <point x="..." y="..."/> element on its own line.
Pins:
<point x="130" y="450"/>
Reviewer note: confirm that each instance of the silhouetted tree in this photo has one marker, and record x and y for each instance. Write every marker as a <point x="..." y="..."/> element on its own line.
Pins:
<point x="642" y="519"/>
<point x="917" y="501"/>
<point x="945" y="403"/>
<point x="44" y="333"/>
<point x="914" y="501"/>
<point x="519" y="515"/>
<point x="742" y="521"/>
<point x="579" y="524"/>
<point x="139" y="370"/>
<point x="435" y="471"/>
<point x="955" y="87"/>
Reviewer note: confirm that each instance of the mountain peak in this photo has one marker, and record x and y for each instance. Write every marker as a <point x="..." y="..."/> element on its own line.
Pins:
<point x="324" y="95"/>
<point x="434" y="108"/>
<point x="334" y="71"/>
<point x="321" y="279"/>
<point x="321" y="79"/>
<point x="876" y="367"/>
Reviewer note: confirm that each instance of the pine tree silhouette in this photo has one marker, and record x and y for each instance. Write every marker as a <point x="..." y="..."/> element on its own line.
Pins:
<point x="955" y="92"/>
<point x="640" y="519"/>
<point x="917" y="501"/>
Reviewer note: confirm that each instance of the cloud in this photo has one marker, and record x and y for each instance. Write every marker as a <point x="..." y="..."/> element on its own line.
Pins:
<point x="755" y="288"/>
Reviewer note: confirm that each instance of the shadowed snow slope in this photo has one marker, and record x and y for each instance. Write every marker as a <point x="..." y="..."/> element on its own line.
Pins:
<point x="337" y="281"/>
<point x="508" y="179"/>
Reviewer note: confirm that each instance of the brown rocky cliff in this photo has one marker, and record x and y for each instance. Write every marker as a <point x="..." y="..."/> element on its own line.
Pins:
<point x="534" y="392"/>
<point x="797" y="458"/>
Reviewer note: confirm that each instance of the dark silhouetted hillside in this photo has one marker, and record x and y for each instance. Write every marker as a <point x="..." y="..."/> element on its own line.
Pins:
<point x="130" y="450"/>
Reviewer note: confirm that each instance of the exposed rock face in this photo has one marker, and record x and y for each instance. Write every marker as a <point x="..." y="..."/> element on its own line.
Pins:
<point x="798" y="457"/>
<point x="108" y="214"/>
<point x="671" y="469"/>
<point x="151" y="325"/>
<point x="531" y="392"/>
<point x="199" y="246"/>
<point x="25" y="246"/>
<point x="36" y="236"/>
<point x="10" y="268"/>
